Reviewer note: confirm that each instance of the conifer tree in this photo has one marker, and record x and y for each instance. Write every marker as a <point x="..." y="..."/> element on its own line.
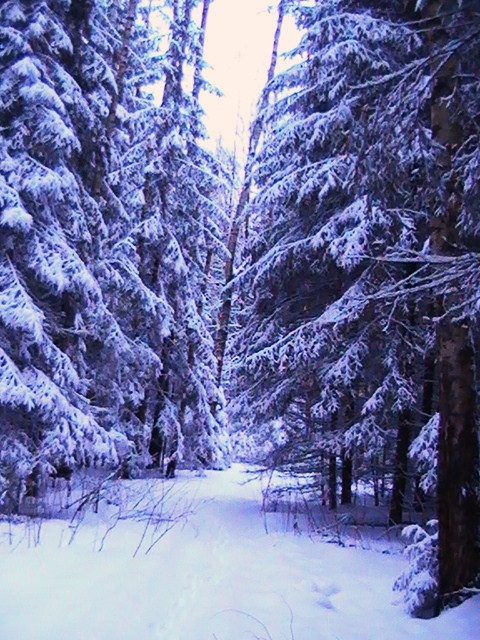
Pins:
<point x="51" y="303"/>
<point x="176" y="229"/>
<point x="364" y="225"/>
<point x="320" y="219"/>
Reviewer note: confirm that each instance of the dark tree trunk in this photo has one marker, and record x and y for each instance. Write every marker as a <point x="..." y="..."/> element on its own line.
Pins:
<point x="383" y="483"/>
<point x="156" y="447"/>
<point x="347" y="473"/>
<point x="347" y="457"/>
<point x="401" y="468"/>
<point x="197" y="82"/>
<point x="458" y="508"/>
<point x="332" y="468"/>
<point x="332" y="482"/>
<point x="376" y="484"/>
<point x="427" y="412"/>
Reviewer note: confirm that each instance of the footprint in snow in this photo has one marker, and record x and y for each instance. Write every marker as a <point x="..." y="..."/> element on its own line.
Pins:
<point x="325" y="591"/>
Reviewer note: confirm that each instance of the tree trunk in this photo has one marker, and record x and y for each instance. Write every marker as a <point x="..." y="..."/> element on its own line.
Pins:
<point x="457" y="461"/>
<point x="347" y="473"/>
<point x="226" y="307"/>
<point x="383" y="479"/>
<point x="206" y="273"/>
<point x="458" y="509"/>
<point x="401" y="465"/>
<point x="376" y="493"/>
<point x="121" y="69"/>
<point x="255" y="133"/>
<point x="332" y="482"/>
<point x="347" y="459"/>
<point x="308" y="415"/>
<point x="332" y="467"/>
<point x="197" y="80"/>
<point x="176" y="55"/>
<point x="427" y="412"/>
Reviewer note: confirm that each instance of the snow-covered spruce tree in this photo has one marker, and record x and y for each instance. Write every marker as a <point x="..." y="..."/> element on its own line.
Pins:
<point x="419" y="583"/>
<point x="50" y="301"/>
<point x="191" y="206"/>
<point x="123" y="42"/>
<point x="110" y="281"/>
<point x="171" y="184"/>
<point x="140" y="257"/>
<point x="239" y="223"/>
<point x="418" y="159"/>
<point x="321" y="216"/>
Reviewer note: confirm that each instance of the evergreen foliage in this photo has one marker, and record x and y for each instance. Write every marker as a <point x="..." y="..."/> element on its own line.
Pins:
<point x="107" y="208"/>
<point x="356" y="301"/>
<point x="360" y="230"/>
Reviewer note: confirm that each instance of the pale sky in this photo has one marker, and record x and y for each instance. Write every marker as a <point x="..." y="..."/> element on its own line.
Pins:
<point x="238" y="47"/>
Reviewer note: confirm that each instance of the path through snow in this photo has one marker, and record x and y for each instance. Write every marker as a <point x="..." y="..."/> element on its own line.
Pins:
<point x="216" y="575"/>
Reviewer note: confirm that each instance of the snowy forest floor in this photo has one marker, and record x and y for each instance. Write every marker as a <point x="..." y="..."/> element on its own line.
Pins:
<point x="190" y="559"/>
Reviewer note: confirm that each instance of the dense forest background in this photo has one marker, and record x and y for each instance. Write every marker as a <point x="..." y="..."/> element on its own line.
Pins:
<point x="319" y="313"/>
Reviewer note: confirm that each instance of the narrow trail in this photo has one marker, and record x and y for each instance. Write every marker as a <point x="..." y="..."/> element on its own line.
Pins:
<point x="216" y="576"/>
<point x="236" y="581"/>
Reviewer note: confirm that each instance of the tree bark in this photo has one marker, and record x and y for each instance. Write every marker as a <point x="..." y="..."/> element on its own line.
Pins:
<point x="206" y="273"/>
<point x="308" y="414"/>
<point x="332" y="467"/>
<point x="376" y="484"/>
<point x="457" y="461"/>
<point x="347" y="474"/>
<point x="458" y="509"/>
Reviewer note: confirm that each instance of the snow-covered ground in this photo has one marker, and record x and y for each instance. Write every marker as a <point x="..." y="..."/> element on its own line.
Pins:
<point x="216" y="574"/>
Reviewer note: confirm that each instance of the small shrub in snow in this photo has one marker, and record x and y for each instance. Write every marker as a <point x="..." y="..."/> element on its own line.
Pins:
<point x="419" y="582"/>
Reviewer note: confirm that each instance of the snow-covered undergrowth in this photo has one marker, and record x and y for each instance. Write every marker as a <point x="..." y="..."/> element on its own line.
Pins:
<point x="190" y="559"/>
<point x="302" y="505"/>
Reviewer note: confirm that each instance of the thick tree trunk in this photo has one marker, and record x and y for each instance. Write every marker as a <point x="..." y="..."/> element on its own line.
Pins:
<point x="458" y="509"/>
